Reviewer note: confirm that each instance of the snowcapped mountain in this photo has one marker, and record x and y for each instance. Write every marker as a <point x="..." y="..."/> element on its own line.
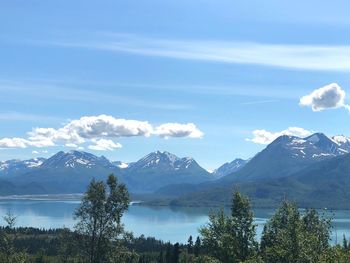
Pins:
<point x="70" y="172"/>
<point x="287" y="155"/>
<point x="228" y="168"/>
<point x="74" y="159"/>
<point x="163" y="160"/>
<point x="159" y="169"/>
<point x="18" y="166"/>
<point x="313" y="170"/>
<point x="342" y="141"/>
<point x="66" y="172"/>
<point x="314" y="147"/>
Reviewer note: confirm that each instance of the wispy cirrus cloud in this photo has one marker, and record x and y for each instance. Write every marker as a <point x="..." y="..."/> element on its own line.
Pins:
<point x="61" y="91"/>
<point x="70" y="91"/>
<point x="258" y="102"/>
<point x="21" y="116"/>
<point x="306" y="57"/>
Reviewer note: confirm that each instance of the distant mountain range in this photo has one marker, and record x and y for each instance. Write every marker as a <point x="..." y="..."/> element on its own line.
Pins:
<point x="70" y="172"/>
<point x="314" y="171"/>
<point x="308" y="170"/>
<point x="13" y="167"/>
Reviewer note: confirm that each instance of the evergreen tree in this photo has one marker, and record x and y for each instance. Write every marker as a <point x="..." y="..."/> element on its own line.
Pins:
<point x="242" y="227"/>
<point x="190" y="245"/>
<point x="168" y="253"/>
<point x="345" y="243"/>
<point x="161" y="257"/>
<point x="197" y="247"/>
<point x="99" y="218"/>
<point x="176" y="253"/>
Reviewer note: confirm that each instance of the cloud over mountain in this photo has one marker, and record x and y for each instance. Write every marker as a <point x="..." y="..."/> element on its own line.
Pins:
<point x="99" y="130"/>
<point x="328" y="97"/>
<point x="266" y="137"/>
<point x="104" y="145"/>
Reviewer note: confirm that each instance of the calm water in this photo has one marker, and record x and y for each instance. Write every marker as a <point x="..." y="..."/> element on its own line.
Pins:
<point x="165" y="223"/>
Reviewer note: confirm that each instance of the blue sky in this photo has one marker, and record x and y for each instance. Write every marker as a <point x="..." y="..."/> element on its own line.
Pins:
<point x="227" y="67"/>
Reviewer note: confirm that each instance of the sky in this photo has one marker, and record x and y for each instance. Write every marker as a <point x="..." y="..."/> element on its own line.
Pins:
<point x="214" y="80"/>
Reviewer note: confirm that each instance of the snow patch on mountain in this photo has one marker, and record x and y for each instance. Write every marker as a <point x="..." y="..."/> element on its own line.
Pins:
<point x="229" y="168"/>
<point x="164" y="160"/>
<point x="315" y="146"/>
<point x="15" y="165"/>
<point x="36" y="162"/>
<point x="74" y="159"/>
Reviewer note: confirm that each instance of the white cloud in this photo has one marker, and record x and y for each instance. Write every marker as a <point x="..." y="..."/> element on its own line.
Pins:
<point x="43" y="142"/>
<point x="99" y="130"/>
<point x="49" y="136"/>
<point x="178" y="130"/>
<point x="13" y="143"/>
<point x="107" y="126"/>
<point x="104" y="145"/>
<point x="328" y="97"/>
<point x="310" y="57"/>
<point x="71" y="145"/>
<point x="35" y="152"/>
<point x="24" y="143"/>
<point x="266" y="137"/>
<point x="89" y="127"/>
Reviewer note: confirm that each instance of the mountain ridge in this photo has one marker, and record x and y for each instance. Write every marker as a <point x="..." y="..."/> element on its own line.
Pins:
<point x="153" y="171"/>
<point x="181" y="179"/>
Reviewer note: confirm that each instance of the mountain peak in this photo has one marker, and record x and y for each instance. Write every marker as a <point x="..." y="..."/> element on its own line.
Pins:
<point x="341" y="139"/>
<point x="165" y="160"/>
<point x="343" y="142"/>
<point x="157" y="158"/>
<point x="166" y="154"/>
<point x="76" y="158"/>
<point x="230" y="167"/>
<point x="316" y="137"/>
<point x="283" y="139"/>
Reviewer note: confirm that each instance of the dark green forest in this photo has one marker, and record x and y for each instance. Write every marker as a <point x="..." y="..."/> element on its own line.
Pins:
<point x="289" y="236"/>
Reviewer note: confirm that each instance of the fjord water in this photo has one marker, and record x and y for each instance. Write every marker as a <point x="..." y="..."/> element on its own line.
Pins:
<point x="165" y="223"/>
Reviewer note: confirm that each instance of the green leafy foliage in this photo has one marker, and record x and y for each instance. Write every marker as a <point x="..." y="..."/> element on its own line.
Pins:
<point x="290" y="236"/>
<point x="231" y="239"/>
<point x="99" y="218"/>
